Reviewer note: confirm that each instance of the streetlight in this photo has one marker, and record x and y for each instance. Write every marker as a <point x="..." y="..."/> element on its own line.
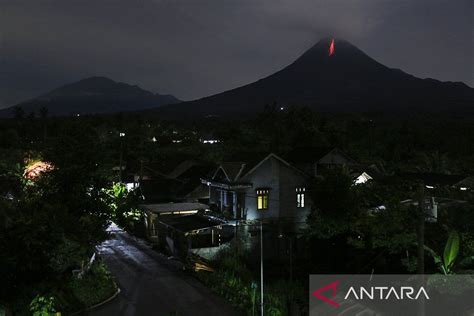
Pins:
<point x="121" y="135"/>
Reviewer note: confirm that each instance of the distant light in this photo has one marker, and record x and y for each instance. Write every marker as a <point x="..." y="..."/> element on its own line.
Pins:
<point x="121" y="134"/>
<point x="282" y="108"/>
<point x="177" y="141"/>
<point x="429" y="186"/>
<point x="210" y="141"/>
<point x="463" y="188"/>
<point x="34" y="170"/>
<point x="77" y="114"/>
<point x="153" y="139"/>
<point x="363" y="178"/>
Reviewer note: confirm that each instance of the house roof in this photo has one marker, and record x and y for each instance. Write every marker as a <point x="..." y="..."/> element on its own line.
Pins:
<point x="357" y="170"/>
<point x="163" y="188"/>
<point x="232" y="169"/>
<point x="190" y="222"/>
<point x="242" y="164"/>
<point x="159" y="189"/>
<point x="436" y="178"/>
<point x="191" y="178"/>
<point x="270" y="155"/>
<point x="173" y="207"/>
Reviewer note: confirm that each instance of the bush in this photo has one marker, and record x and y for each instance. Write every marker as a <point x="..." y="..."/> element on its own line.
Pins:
<point x="42" y="306"/>
<point x="95" y="286"/>
<point x="234" y="281"/>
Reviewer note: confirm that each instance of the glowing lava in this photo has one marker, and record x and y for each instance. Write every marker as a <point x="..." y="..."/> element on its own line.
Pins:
<point x="331" y="48"/>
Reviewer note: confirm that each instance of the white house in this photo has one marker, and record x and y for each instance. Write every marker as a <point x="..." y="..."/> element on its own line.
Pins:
<point x="265" y="187"/>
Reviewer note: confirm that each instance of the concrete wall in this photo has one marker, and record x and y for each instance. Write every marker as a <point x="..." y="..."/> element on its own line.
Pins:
<point x="282" y="181"/>
<point x="266" y="176"/>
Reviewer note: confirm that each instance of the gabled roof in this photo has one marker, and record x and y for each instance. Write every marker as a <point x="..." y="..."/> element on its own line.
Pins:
<point x="356" y="170"/>
<point x="271" y="155"/>
<point x="233" y="169"/>
<point x="159" y="189"/>
<point x="236" y="170"/>
<point x="239" y="163"/>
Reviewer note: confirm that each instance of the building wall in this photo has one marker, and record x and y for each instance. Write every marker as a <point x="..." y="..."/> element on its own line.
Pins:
<point x="290" y="180"/>
<point x="265" y="177"/>
<point x="281" y="181"/>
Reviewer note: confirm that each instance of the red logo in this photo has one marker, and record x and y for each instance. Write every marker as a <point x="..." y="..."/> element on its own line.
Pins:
<point x="332" y="286"/>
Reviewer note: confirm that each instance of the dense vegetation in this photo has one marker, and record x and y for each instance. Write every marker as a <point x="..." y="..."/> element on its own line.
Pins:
<point x="51" y="225"/>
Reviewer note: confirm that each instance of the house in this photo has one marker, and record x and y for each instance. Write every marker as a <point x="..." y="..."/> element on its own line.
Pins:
<point x="185" y="228"/>
<point x="314" y="160"/>
<point x="363" y="174"/>
<point x="258" y="186"/>
<point x="181" y="183"/>
<point x="153" y="211"/>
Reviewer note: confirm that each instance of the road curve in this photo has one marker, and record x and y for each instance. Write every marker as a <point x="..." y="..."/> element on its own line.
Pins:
<point x="153" y="285"/>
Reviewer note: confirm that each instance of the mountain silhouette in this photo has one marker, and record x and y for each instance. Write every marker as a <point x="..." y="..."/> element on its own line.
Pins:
<point x="346" y="80"/>
<point x="94" y="95"/>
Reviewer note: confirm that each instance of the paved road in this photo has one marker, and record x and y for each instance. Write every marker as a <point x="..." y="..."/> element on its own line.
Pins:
<point x="153" y="285"/>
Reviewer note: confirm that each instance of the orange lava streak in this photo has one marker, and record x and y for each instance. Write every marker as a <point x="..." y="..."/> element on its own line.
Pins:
<point x="331" y="48"/>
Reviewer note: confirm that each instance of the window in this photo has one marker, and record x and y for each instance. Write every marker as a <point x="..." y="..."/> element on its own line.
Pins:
<point x="300" y="192"/>
<point x="262" y="199"/>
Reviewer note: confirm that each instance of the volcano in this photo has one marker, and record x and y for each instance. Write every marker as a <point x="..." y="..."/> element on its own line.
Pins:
<point x="334" y="75"/>
<point x="94" y="95"/>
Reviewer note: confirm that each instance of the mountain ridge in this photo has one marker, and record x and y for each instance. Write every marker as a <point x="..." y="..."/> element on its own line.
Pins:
<point x="96" y="94"/>
<point x="349" y="80"/>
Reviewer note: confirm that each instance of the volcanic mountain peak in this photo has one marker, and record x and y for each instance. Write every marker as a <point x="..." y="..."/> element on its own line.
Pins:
<point x="94" y="95"/>
<point x="343" y="54"/>
<point x="341" y="78"/>
<point x="97" y="85"/>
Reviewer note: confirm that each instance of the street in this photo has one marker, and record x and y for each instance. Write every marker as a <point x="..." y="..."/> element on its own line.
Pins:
<point x="151" y="284"/>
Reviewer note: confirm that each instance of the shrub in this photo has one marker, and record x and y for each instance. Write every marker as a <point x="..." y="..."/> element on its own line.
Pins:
<point x="95" y="286"/>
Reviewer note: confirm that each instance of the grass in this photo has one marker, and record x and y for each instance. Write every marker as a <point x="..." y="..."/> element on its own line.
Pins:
<point x="94" y="287"/>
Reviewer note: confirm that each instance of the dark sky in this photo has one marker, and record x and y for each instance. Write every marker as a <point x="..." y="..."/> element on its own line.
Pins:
<point x="194" y="48"/>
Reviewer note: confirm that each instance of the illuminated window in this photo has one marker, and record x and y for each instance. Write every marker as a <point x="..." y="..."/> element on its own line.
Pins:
<point x="300" y="192"/>
<point x="262" y="199"/>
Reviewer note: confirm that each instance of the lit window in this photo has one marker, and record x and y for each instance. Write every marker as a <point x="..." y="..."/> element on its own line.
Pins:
<point x="300" y="192"/>
<point x="262" y="199"/>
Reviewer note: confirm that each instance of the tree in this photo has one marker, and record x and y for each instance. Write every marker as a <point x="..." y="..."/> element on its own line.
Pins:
<point x="124" y="207"/>
<point x="336" y="204"/>
<point x="18" y="112"/>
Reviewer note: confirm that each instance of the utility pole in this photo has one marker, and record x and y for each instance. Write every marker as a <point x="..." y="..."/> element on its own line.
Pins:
<point x="261" y="268"/>
<point x="420" y="232"/>
<point x="121" y="135"/>
<point x="291" y="260"/>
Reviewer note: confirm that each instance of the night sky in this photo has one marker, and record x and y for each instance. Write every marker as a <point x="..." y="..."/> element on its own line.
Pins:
<point x="194" y="48"/>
